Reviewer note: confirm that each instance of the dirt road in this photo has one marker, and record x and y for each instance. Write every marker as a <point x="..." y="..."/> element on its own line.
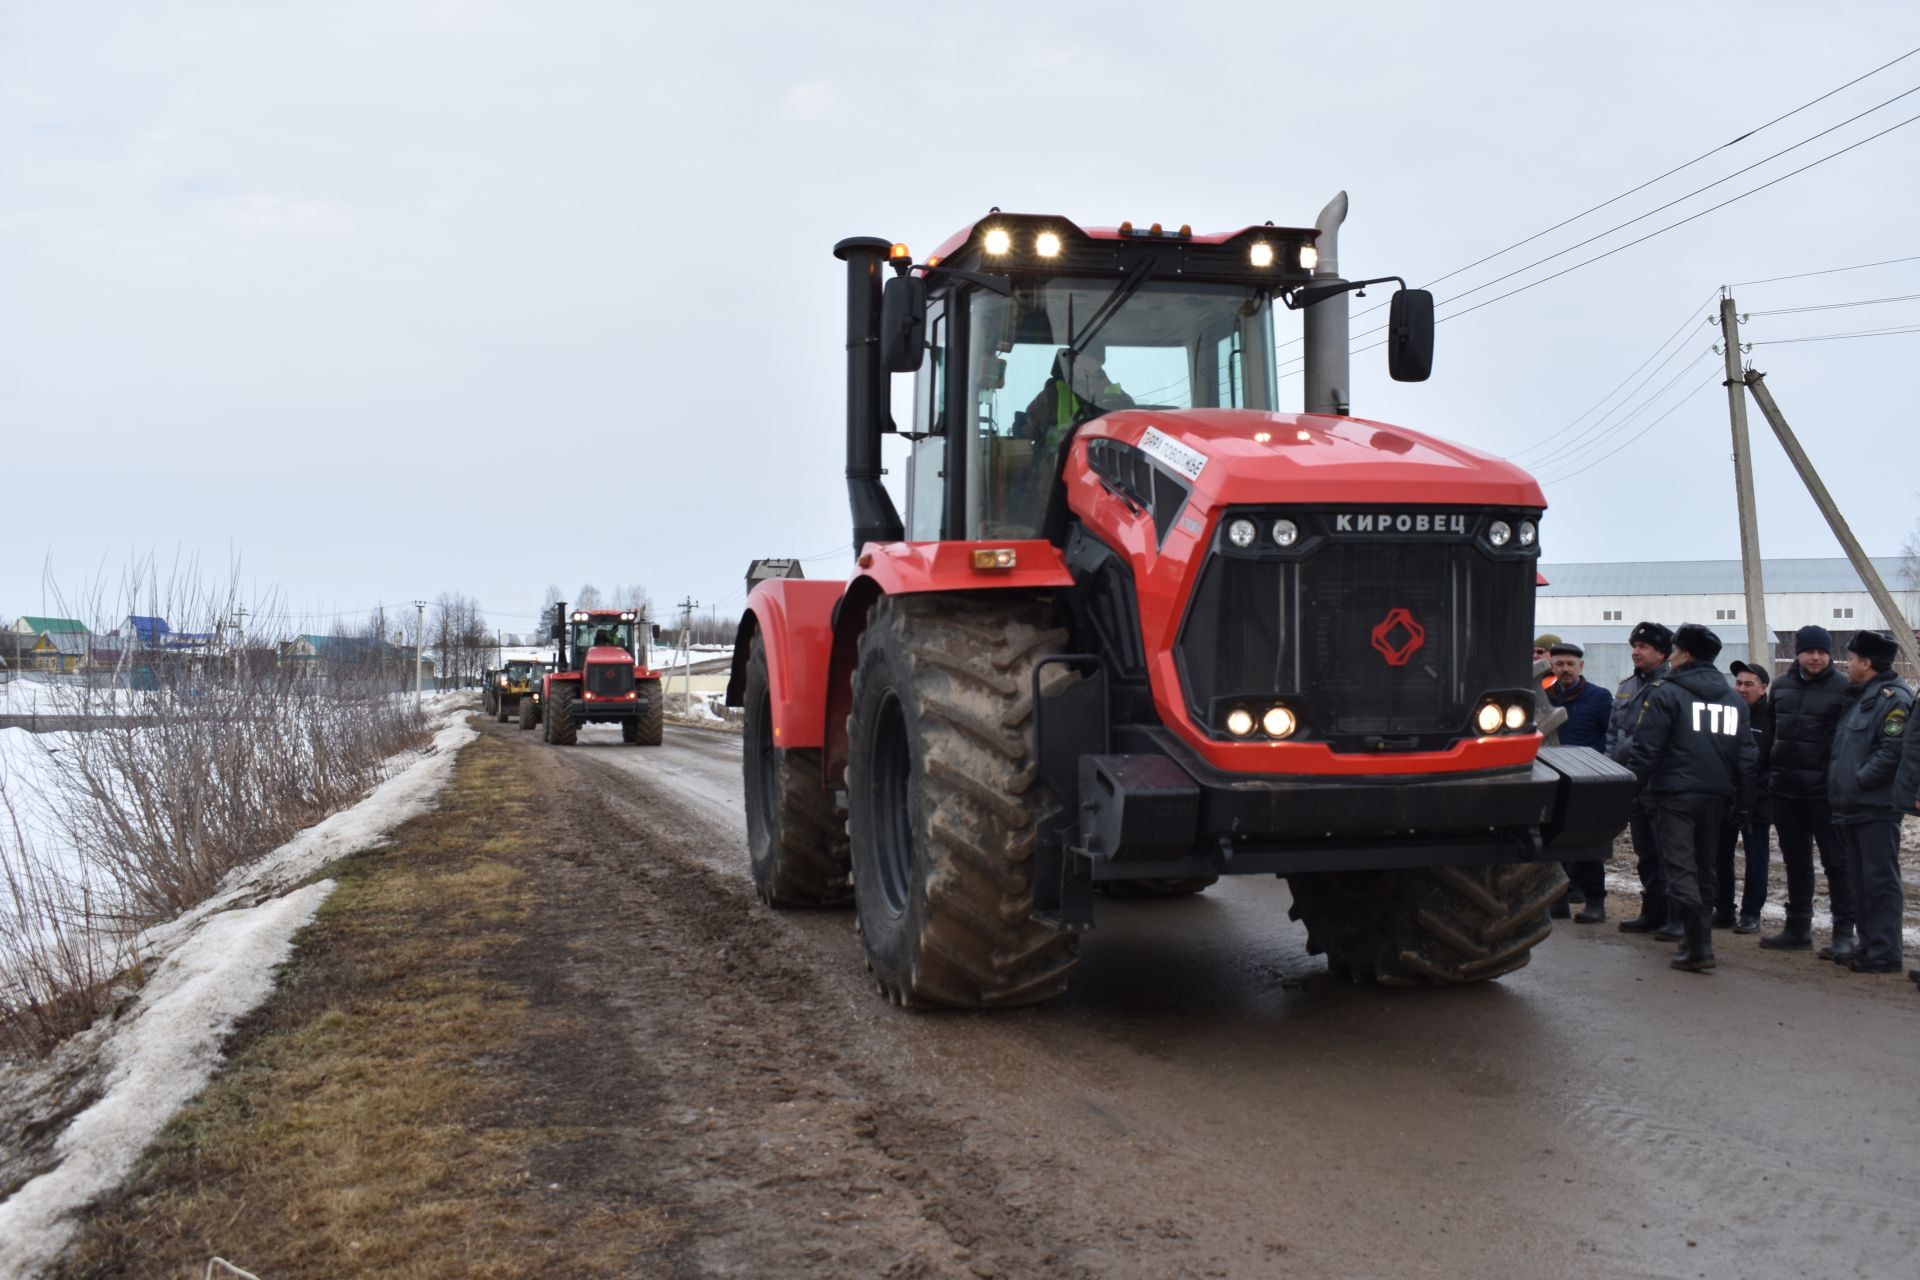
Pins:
<point x="548" y="1031"/>
<point x="1206" y="1102"/>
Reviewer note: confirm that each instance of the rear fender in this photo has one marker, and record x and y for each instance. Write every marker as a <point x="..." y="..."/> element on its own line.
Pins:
<point x="794" y="619"/>
<point x="918" y="568"/>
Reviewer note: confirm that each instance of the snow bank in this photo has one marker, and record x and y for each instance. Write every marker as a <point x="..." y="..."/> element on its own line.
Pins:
<point x="210" y="968"/>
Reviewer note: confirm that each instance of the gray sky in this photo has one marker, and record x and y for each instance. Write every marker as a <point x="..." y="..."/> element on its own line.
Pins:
<point x="397" y="298"/>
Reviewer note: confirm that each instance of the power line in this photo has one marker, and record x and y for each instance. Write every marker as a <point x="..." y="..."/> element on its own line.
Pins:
<point x="1709" y="381"/>
<point x="1834" y="306"/>
<point x="1838" y="337"/>
<point x="1641" y="239"/>
<point x="1684" y="326"/>
<point x="1572" y="453"/>
<point x="1670" y="172"/>
<point x="1830" y="271"/>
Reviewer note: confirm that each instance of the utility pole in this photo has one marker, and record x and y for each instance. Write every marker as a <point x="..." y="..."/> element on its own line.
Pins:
<point x="419" y="649"/>
<point x="1759" y="639"/>
<point x="239" y="639"/>
<point x="687" y="607"/>
<point x="1902" y="633"/>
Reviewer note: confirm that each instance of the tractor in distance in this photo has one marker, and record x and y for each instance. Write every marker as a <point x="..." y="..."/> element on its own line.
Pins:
<point x="538" y="670"/>
<point x="1140" y="628"/>
<point x="512" y="684"/>
<point x="599" y="676"/>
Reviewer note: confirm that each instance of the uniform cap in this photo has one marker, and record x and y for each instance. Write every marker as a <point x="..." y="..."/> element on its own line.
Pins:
<point x="1873" y="646"/>
<point x="1545" y="640"/>
<point x="1698" y="641"/>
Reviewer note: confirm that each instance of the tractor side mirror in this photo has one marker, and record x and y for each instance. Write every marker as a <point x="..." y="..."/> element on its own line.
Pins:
<point x="1410" y="335"/>
<point x="903" y="324"/>
<point x="656" y="631"/>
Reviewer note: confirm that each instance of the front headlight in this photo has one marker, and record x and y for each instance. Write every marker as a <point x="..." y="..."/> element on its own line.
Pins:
<point x="1499" y="533"/>
<point x="1239" y="722"/>
<point x="1528" y="533"/>
<point x="1279" y="722"/>
<point x="1241" y="533"/>
<point x="1489" y="717"/>
<point x="1286" y="532"/>
<point x="1516" y="716"/>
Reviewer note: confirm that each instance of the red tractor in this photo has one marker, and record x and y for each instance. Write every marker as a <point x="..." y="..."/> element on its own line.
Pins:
<point x="597" y="678"/>
<point x="1140" y="629"/>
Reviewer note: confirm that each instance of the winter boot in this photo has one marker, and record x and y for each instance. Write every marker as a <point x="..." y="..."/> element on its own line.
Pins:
<point x="1723" y="918"/>
<point x="1595" y="912"/>
<point x="1748" y="924"/>
<point x="1797" y="936"/>
<point x="1697" y="955"/>
<point x="1676" y="926"/>
<point x="1843" y="946"/>
<point x="1653" y="915"/>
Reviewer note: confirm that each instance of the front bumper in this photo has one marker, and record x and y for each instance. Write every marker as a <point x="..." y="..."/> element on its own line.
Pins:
<point x="598" y="710"/>
<point x="1156" y="814"/>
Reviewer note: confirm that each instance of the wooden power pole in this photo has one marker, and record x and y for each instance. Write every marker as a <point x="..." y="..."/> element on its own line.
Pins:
<point x="1759" y="639"/>
<point x="1755" y="382"/>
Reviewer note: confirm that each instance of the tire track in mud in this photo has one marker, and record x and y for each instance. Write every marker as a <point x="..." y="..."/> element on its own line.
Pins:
<point x="788" y="1155"/>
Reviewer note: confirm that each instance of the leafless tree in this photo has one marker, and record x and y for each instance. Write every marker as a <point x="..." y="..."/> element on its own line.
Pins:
<point x="588" y="597"/>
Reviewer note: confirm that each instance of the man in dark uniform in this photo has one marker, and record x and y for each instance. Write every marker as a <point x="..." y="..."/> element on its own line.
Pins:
<point x="1807" y="702"/>
<point x="1650" y="644"/>
<point x="1588" y="710"/>
<point x="1750" y="682"/>
<point x="1906" y="789"/>
<point x="1860" y="778"/>
<point x="1694" y="750"/>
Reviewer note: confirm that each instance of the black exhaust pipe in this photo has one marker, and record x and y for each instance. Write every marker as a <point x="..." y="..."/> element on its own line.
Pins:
<point x="874" y="517"/>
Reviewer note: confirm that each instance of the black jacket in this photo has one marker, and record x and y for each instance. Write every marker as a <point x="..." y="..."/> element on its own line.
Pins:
<point x="1906" y="783"/>
<point x="1694" y="738"/>
<point x="1626" y="711"/>
<point x="1866" y="751"/>
<point x="1760" y="716"/>
<point x="1804" y="715"/>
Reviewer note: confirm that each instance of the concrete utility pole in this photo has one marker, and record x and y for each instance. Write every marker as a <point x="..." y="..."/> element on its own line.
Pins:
<point x="1759" y="639"/>
<point x="239" y="639"/>
<point x="687" y="607"/>
<point x="1902" y="633"/>
<point x="419" y="650"/>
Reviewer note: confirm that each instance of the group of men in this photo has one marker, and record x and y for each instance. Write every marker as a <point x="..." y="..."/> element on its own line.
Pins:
<point x="1820" y="755"/>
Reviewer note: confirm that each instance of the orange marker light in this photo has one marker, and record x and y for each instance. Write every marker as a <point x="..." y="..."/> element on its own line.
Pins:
<point x="1001" y="558"/>
<point x="1154" y="230"/>
<point x="1263" y="437"/>
<point x="900" y="251"/>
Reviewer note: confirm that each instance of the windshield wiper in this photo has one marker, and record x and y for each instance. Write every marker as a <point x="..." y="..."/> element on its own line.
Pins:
<point x="1127" y="287"/>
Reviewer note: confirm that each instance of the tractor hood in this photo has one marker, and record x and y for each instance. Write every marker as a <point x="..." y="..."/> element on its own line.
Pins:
<point x="609" y="653"/>
<point x="1248" y="456"/>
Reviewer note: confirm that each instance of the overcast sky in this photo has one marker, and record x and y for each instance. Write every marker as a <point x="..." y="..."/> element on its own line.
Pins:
<point x="384" y="300"/>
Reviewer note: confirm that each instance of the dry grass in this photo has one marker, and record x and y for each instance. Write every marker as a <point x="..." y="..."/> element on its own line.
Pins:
<point x="370" y="1121"/>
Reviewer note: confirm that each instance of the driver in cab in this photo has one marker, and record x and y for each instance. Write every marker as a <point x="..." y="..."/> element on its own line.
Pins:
<point x="1067" y="399"/>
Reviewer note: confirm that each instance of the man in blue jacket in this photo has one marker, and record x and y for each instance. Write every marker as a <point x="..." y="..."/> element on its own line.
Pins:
<point x="1694" y="750"/>
<point x="1860" y="789"/>
<point x="1589" y="708"/>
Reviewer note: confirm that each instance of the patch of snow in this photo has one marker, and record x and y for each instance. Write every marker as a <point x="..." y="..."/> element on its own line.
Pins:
<point x="210" y="968"/>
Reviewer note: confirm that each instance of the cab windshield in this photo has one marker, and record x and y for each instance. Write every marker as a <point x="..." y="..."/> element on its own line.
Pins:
<point x="1061" y="352"/>
<point x="599" y="631"/>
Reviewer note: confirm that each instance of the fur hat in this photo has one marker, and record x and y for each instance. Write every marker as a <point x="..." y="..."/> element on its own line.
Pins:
<point x="1873" y="646"/>
<point x="1653" y="635"/>
<point x="1743" y="668"/>
<point x="1813" y="636"/>
<point x="1697" y="641"/>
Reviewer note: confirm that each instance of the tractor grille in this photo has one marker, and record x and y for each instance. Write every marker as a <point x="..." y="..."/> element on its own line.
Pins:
<point x="609" y="679"/>
<point x="1453" y="624"/>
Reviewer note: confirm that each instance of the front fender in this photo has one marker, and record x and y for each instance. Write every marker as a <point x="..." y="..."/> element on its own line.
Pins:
<point x="794" y="620"/>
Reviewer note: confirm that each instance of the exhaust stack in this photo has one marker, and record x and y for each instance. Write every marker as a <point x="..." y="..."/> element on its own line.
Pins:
<point x="874" y="517"/>
<point x="1325" y="322"/>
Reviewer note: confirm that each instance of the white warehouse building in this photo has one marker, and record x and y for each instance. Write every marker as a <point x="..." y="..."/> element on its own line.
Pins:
<point x="1596" y="605"/>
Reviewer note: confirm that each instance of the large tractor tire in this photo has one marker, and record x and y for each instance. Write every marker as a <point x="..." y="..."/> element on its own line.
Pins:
<point x="562" y="729"/>
<point x="500" y="710"/>
<point x="649" y="728"/>
<point x="490" y="703"/>
<point x="796" y="838"/>
<point x="529" y="717"/>
<point x="1440" y="926"/>
<point x="945" y="803"/>
<point x="1151" y="890"/>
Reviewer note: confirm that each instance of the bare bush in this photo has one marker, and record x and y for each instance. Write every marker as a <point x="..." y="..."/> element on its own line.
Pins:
<point x="190" y="758"/>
